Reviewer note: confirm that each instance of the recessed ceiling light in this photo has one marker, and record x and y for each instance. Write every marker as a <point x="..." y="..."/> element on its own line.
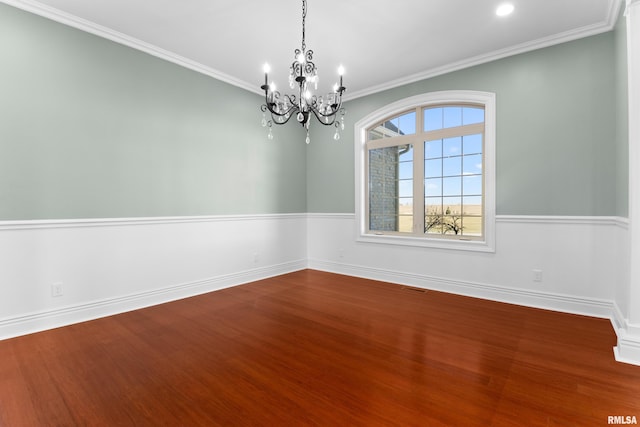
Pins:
<point x="504" y="9"/>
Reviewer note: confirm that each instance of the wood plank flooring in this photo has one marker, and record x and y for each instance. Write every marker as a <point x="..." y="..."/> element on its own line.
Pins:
<point x="318" y="349"/>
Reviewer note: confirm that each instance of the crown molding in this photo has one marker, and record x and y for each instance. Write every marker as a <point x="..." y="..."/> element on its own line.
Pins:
<point x="73" y="21"/>
<point x="613" y="11"/>
<point x="48" y="12"/>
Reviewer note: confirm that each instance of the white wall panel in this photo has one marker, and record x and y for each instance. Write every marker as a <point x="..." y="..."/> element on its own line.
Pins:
<point x="576" y="255"/>
<point x="110" y="266"/>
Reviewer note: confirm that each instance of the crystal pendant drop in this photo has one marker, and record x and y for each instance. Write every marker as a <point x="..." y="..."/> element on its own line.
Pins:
<point x="336" y="135"/>
<point x="307" y="140"/>
<point x="270" y="134"/>
<point x="264" y="120"/>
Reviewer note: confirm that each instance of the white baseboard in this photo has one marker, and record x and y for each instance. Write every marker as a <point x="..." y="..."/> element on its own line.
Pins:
<point x="627" y="349"/>
<point x="548" y="301"/>
<point x="36" y="322"/>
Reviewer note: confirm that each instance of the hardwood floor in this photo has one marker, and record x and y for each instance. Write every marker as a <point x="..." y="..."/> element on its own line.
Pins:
<point x="319" y="349"/>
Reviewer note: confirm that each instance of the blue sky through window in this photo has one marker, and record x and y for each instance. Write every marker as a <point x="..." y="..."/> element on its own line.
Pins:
<point x="447" y="117"/>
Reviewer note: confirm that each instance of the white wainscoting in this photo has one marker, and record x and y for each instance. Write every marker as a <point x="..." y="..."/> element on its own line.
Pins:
<point x="580" y="258"/>
<point x="115" y="265"/>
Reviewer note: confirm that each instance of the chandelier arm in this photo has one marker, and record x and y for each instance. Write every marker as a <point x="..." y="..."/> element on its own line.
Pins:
<point x="271" y="99"/>
<point x="287" y="114"/>
<point x="334" y="109"/>
<point x="276" y="115"/>
<point x="276" y="118"/>
<point x="321" y="117"/>
<point x="291" y="99"/>
<point x="278" y="121"/>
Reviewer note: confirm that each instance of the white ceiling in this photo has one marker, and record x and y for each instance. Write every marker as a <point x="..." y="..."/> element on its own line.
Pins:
<point x="381" y="43"/>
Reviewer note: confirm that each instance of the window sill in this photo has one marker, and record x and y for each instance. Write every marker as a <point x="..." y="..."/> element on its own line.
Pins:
<point x="424" y="242"/>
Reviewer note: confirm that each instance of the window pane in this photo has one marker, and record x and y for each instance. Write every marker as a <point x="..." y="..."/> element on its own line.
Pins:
<point x="385" y="130"/>
<point x="433" y="205"/>
<point x="472" y="226"/>
<point x="472" y="185"/>
<point x="452" y="205"/>
<point x="383" y="223"/>
<point x="380" y="132"/>
<point x="405" y="218"/>
<point x="433" y="168"/>
<point x="389" y="194"/>
<point x="452" y="146"/>
<point x="452" y="166"/>
<point x="472" y="144"/>
<point x="452" y="224"/>
<point x="392" y="127"/>
<point x="407" y="123"/>
<point x="405" y="153"/>
<point x="406" y="205"/>
<point x="471" y="115"/>
<point x="405" y="170"/>
<point x="433" y="224"/>
<point x="397" y="126"/>
<point x="452" y="117"/>
<point x="472" y="164"/>
<point x="376" y="133"/>
<point x="432" y="119"/>
<point x="433" y="187"/>
<point x="405" y="188"/>
<point x="472" y="205"/>
<point x="405" y="223"/>
<point x="451" y="221"/>
<point x="433" y="149"/>
<point x="452" y="186"/>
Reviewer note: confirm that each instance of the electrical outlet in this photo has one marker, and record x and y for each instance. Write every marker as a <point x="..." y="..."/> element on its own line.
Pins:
<point x="537" y="275"/>
<point x="341" y="253"/>
<point x="256" y="257"/>
<point x="56" y="289"/>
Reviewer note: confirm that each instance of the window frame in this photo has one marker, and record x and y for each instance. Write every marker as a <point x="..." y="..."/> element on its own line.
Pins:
<point x="419" y="102"/>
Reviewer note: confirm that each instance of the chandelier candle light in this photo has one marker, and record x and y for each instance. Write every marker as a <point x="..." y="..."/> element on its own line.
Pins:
<point x="302" y="73"/>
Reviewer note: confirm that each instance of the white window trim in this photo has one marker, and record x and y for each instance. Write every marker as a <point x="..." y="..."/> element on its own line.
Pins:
<point x="488" y="99"/>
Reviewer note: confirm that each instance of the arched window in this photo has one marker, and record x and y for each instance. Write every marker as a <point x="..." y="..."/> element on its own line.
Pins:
<point x="426" y="171"/>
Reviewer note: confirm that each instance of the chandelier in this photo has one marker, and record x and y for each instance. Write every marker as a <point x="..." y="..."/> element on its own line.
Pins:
<point x="302" y="74"/>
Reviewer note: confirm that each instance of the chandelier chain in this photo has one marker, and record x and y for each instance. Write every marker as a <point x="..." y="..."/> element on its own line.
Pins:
<point x="304" y="20"/>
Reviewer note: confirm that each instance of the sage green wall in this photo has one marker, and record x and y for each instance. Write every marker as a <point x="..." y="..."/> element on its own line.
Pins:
<point x="622" y="118"/>
<point x="92" y="129"/>
<point x="556" y="139"/>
